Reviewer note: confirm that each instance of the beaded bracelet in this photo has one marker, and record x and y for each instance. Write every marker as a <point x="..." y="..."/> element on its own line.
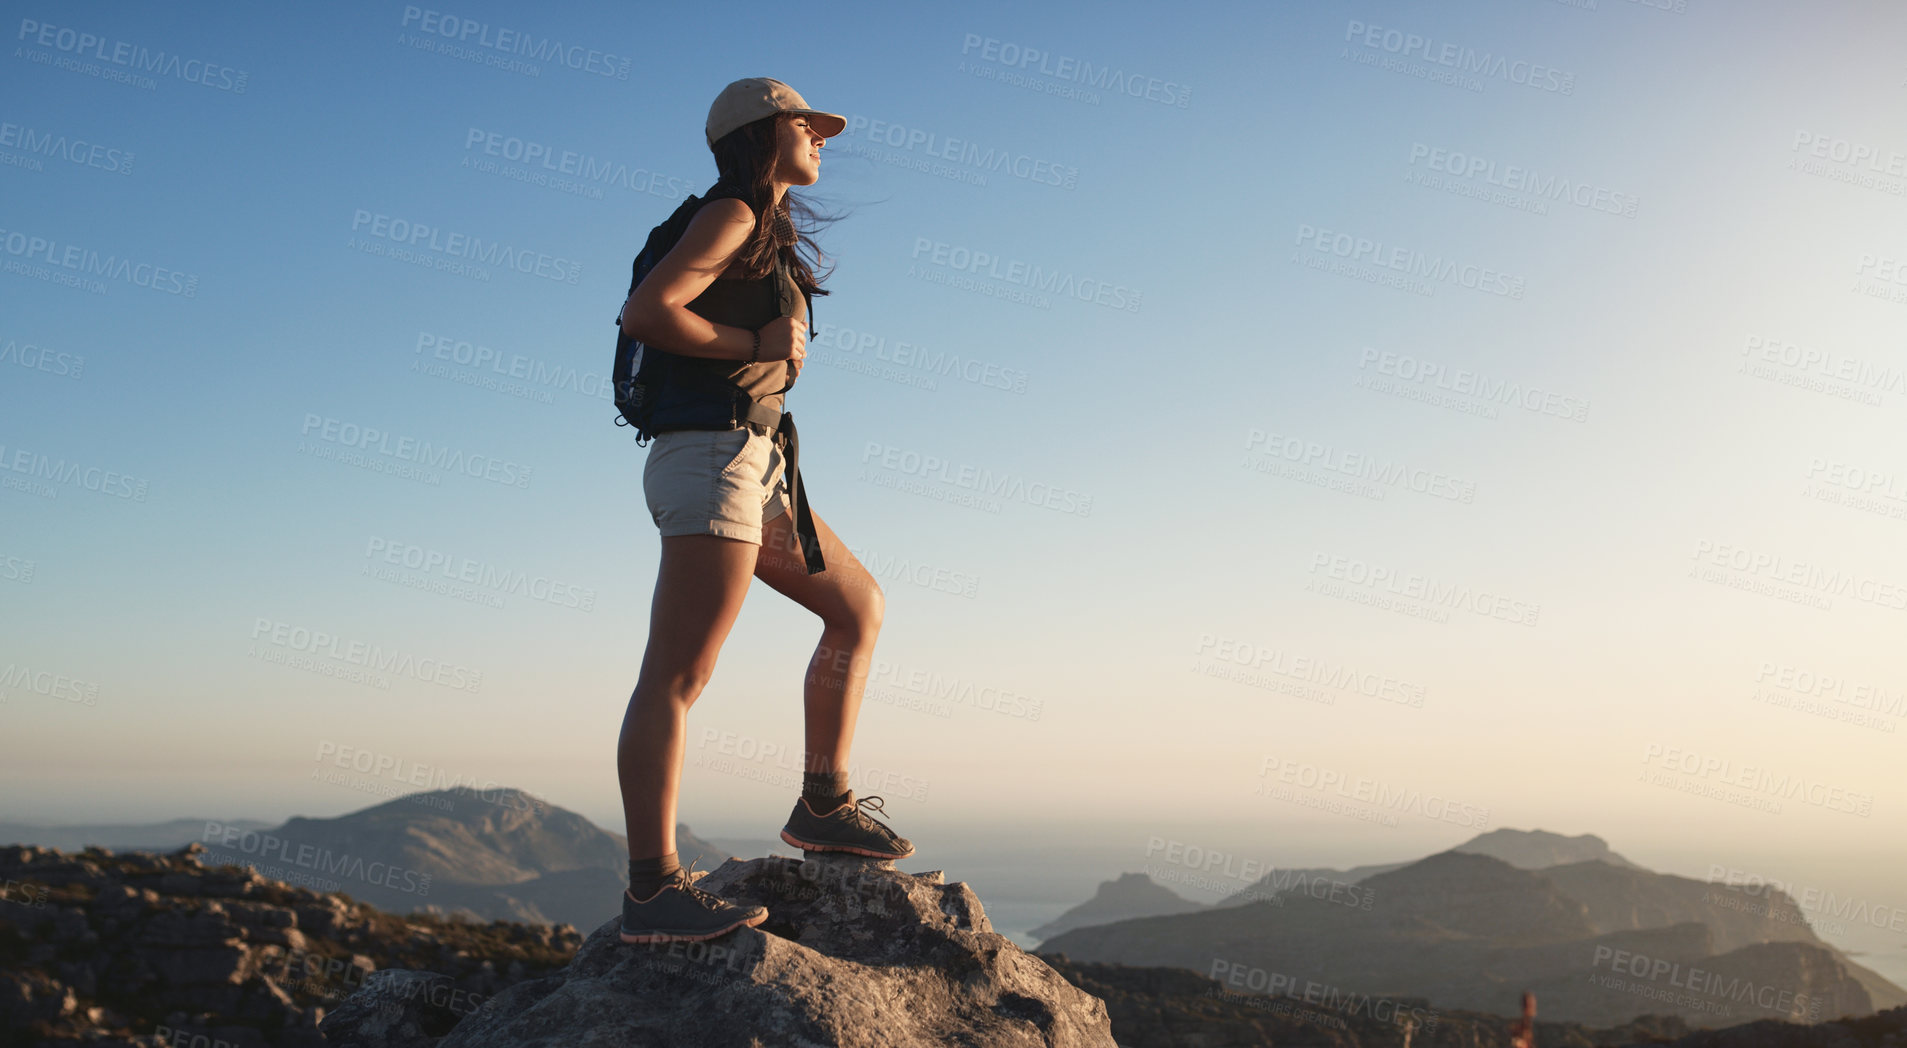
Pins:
<point x="755" y="357"/>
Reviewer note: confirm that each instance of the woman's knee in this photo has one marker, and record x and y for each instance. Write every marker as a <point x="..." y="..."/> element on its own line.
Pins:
<point x="859" y="612"/>
<point x="679" y="688"/>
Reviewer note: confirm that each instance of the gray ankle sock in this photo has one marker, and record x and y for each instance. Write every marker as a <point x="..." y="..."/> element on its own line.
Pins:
<point x="825" y="790"/>
<point x="647" y="875"/>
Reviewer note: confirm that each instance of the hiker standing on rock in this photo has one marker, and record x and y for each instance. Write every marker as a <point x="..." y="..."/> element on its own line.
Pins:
<point x="731" y="301"/>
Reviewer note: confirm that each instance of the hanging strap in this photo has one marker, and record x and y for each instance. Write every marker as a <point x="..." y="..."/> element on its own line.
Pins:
<point x="782" y="427"/>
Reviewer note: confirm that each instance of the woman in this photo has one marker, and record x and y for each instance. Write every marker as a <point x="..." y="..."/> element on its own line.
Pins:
<point x="721" y="501"/>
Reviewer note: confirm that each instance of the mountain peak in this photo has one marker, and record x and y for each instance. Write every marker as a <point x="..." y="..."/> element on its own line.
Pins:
<point x="851" y="947"/>
<point x="494" y="853"/>
<point x="500" y="805"/>
<point x="1131" y="895"/>
<point x="1537" y="849"/>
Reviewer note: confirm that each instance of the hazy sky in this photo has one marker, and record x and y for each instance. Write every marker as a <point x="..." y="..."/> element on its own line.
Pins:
<point x="1350" y="426"/>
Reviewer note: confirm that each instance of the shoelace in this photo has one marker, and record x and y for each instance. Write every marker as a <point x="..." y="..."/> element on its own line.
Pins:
<point x="869" y="820"/>
<point x="685" y="879"/>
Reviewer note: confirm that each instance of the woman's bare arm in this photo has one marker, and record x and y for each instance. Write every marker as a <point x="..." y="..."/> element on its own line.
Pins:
<point x="657" y="312"/>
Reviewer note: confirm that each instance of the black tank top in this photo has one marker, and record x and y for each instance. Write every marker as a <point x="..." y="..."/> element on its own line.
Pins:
<point x="750" y="303"/>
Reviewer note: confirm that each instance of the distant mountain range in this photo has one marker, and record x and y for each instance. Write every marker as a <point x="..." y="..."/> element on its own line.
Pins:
<point x="1175" y="1008"/>
<point x="1137" y="895"/>
<point x="151" y="836"/>
<point x="1599" y="939"/>
<point x="491" y="855"/>
<point x="143" y="948"/>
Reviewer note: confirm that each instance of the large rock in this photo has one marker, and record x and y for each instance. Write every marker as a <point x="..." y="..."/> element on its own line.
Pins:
<point x="853" y="953"/>
<point x="395" y="1009"/>
<point x="93" y="951"/>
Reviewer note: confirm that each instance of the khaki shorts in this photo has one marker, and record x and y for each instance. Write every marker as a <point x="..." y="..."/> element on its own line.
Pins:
<point x="725" y="482"/>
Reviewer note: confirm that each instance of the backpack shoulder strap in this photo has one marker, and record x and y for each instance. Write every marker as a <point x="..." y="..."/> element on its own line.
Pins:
<point x="661" y="239"/>
<point x="721" y="190"/>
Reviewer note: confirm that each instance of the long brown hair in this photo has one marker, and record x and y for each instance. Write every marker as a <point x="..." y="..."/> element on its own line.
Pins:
<point x="745" y="157"/>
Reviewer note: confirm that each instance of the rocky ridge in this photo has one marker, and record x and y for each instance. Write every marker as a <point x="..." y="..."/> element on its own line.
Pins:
<point x="1176" y="1008"/>
<point x="149" y="949"/>
<point x="854" y="954"/>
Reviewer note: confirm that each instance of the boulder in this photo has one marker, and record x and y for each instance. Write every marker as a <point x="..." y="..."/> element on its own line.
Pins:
<point x="854" y="953"/>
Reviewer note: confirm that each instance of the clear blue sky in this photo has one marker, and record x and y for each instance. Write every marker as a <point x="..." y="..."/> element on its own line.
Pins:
<point x="1534" y="366"/>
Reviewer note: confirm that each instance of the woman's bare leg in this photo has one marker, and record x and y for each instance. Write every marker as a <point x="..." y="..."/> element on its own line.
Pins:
<point x="850" y="604"/>
<point x="699" y="592"/>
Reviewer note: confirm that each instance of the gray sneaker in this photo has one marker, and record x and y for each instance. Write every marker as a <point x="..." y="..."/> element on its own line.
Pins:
<point x="846" y="828"/>
<point x="681" y="912"/>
